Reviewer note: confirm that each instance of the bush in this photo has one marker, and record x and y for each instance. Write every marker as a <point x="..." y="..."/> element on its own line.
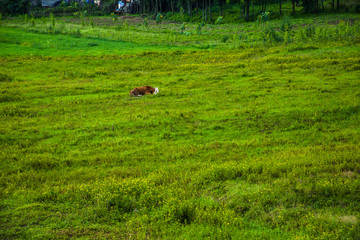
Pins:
<point x="310" y="31"/>
<point x="286" y="24"/>
<point x="225" y="38"/>
<point x="268" y="34"/>
<point x="219" y="20"/>
<point x="199" y="28"/>
<point x="169" y="15"/>
<point x="159" y="18"/>
<point x="264" y="17"/>
<point x="146" y="22"/>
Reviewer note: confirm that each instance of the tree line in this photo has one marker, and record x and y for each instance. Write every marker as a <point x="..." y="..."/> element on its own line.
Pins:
<point x="188" y="7"/>
<point x="206" y="6"/>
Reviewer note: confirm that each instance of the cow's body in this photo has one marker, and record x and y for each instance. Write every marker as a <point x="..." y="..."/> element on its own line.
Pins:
<point x="139" y="91"/>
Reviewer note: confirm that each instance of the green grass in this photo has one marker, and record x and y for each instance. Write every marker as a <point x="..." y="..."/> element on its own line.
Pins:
<point x="16" y="42"/>
<point x="253" y="139"/>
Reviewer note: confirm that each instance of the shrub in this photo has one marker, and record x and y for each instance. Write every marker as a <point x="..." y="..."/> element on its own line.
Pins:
<point x="225" y="38"/>
<point x="182" y="14"/>
<point x="91" y="22"/>
<point x="146" y="22"/>
<point x="286" y="24"/>
<point x="310" y="31"/>
<point x="32" y="21"/>
<point x="268" y="34"/>
<point x="159" y="18"/>
<point x="26" y="19"/>
<point x="219" y="20"/>
<point x="264" y="17"/>
<point x="82" y="17"/>
<point x="52" y="20"/>
<point x="113" y="17"/>
<point x="183" y="27"/>
<point x="199" y="28"/>
<point x="169" y="15"/>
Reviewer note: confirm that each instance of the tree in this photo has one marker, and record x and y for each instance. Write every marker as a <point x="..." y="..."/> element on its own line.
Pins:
<point x="172" y="5"/>
<point x="293" y="6"/>
<point x="210" y="10"/>
<point x="206" y="7"/>
<point x="14" y="7"/>
<point x="205" y="16"/>
<point x="280" y="7"/>
<point x="247" y="10"/>
<point x="309" y="6"/>
<point x="188" y="5"/>
<point x="222" y="4"/>
<point x="263" y="5"/>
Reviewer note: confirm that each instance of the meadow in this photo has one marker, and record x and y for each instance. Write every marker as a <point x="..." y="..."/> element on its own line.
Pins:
<point x="254" y="133"/>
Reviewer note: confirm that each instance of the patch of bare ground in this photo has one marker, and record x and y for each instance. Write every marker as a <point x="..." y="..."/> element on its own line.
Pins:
<point x="348" y="174"/>
<point x="108" y="21"/>
<point x="133" y="19"/>
<point x="349" y="219"/>
<point x="351" y="22"/>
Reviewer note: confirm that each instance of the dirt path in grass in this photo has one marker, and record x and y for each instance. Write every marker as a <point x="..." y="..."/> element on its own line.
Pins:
<point x="108" y="21"/>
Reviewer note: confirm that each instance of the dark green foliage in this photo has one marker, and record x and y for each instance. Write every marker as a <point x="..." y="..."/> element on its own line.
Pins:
<point x="5" y="78"/>
<point x="124" y="204"/>
<point x="310" y="6"/>
<point x="14" y="7"/>
<point x="225" y="38"/>
<point x="310" y="31"/>
<point x="183" y="213"/>
<point x="286" y="24"/>
<point x="269" y="34"/>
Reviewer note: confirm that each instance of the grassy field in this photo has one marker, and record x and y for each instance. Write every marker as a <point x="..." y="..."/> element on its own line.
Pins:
<point x="254" y="133"/>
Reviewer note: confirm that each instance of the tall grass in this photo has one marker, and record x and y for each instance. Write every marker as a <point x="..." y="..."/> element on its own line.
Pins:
<point x="276" y="32"/>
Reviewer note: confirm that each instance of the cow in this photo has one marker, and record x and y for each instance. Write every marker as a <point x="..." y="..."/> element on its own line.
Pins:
<point x="139" y="91"/>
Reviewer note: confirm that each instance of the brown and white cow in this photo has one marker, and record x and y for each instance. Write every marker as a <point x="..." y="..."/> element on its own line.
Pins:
<point x="139" y="91"/>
